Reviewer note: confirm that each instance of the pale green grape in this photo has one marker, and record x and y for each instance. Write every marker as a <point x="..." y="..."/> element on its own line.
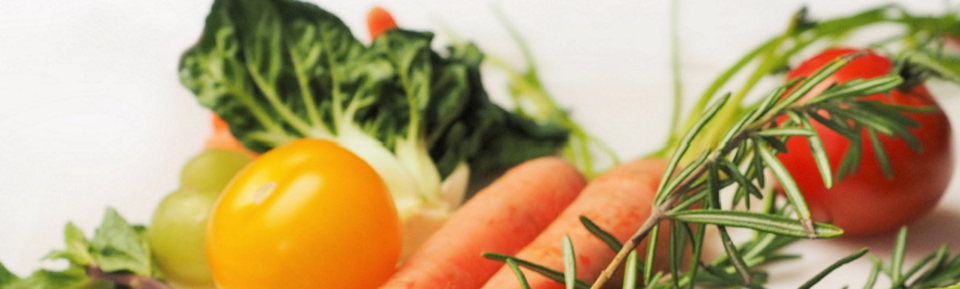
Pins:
<point x="179" y="224"/>
<point x="177" y="234"/>
<point x="213" y="169"/>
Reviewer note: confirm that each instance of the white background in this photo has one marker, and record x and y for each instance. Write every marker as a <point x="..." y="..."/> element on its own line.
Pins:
<point x="92" y="114"/>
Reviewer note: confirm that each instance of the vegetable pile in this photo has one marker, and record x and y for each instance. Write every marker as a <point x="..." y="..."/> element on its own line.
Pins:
<point x="339" y="164"/>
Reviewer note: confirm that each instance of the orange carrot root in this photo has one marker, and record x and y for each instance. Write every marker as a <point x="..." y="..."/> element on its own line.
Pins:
<point x="502" y="218"/>
<point x="618" y="202"/>
<point x="379" y="21"/>
<point x="222" y="138"/>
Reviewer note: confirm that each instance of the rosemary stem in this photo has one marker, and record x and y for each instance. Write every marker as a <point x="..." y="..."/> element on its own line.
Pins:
<point x="656" y="215"/>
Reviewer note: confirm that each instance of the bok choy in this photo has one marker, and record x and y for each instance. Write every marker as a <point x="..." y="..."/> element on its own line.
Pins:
<point x="280" y="70"/>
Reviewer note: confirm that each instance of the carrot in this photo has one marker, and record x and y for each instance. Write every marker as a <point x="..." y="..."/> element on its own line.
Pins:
<point x="379" y="21"/>
<point x="503" y="217"/>
<point x="619" y="201"/>
<point x="222" y="138"/>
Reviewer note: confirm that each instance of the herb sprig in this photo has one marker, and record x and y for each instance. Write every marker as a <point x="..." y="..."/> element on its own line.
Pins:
<point x="728" y="145"/>
<point x="118" y="254"/>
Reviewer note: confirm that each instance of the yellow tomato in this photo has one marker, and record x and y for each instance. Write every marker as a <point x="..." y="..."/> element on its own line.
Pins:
<point x="309" y="214"/>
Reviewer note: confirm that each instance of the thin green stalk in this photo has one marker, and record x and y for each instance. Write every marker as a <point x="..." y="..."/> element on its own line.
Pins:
<point x="675" y="69"/>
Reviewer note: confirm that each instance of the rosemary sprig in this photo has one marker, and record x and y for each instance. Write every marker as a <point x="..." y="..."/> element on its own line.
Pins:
<point x="938" y="269"/>
<point x="701" y="180"/>
<point x="726" y="143"/>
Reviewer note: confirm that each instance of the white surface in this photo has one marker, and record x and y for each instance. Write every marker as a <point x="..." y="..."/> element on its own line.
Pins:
<point x="93" y="115"/>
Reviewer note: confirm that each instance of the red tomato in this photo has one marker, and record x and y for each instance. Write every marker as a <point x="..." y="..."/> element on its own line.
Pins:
<point x="869" y="203"/>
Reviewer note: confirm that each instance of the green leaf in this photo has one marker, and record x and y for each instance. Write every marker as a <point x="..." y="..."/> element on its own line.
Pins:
<point x="881" y="154"/>
<point x="78" y="248"/>
<point x="569" y="263"/>
<point x="117" y="246"/>
<point x="631" y="270"/>
<point x="735" y="256"/>
<point x="785" y="132"/>
<point x="938" y="263"/>
<point x="685" y="144"/>
<point x="899" y="253"/>
<point x="837" y="124"/>
<point x="520" y="276"/>
<point x="651" y="256"/>
<point x="874" y="273"/>
<point x="815" y="79"/>
<point x="758" y="165"/>
<point x="834" y="266"/>
<point x="734" y="172"/>
<point x="6" y="277"/>
<point x="281" y="70"/>
<point x="610" y="240"/>
<point x="819" y="154"/>
<point x="685" y="172"/>
<point x="851" y="159"/>
<point x="678" y="242"/>
<point x="757" y="221"/>
<point x="697" y="252"/>
<point x="750" y="117"/>
<point x="860" y="87"/>
<point x="75" y="277"/>
<point x="789" y="186"/>
<point x="546" y="272"/>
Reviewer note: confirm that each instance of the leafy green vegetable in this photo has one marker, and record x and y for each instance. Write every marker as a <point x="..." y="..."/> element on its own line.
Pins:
<point x="118" y="246"/>
<point x="281" y="70"/>
<point x="117" y="254"/>
<point x="6" y="277"/>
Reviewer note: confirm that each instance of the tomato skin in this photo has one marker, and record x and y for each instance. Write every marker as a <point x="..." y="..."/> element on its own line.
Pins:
<point x="868" y="203"/>
<point x="309" y="214"/>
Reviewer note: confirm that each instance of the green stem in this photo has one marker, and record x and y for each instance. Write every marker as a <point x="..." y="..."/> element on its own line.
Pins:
<point x="675" y="68"/>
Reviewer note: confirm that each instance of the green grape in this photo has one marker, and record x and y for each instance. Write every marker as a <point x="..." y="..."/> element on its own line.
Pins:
<point x="177" y="234"/>
<point x="179" y="225"/>
<point x="213" y="169"/>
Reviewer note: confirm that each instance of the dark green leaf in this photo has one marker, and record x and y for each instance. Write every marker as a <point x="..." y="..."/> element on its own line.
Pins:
<point x="516" y="270"/>
<point x="734" y="255"/>
<point x="685" y="144"/>
<point x="713" y="185"/>
<point x="881" y="154"/>
<point x="734" y="172"/>
<point x="819" y="154"/>
<point x="851" y="159"/>
<point x="685" y="173"/>
<point x="756" y="221"/>
<point x="280" y="70"/>
<point x="834" y="266"/>
<point x="837" y="124"/>
<point x="789" y="186"/>
<point x="546" y="272"/>
<point x="611" y="241"/>
<point x="938" y="263"/>
<point x="651" y="256"/>
<point x="6" y="277"/>
<point x="758" y="164"/>
<point x="860" y="87"/>
<point x="697" y="252"/>
<point x="815" y="79"/>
